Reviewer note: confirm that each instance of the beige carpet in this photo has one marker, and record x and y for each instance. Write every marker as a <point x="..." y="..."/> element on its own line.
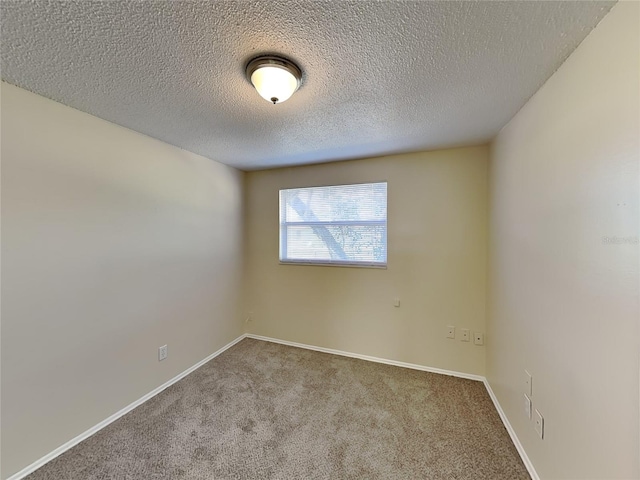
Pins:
<point x="267" y="411"/>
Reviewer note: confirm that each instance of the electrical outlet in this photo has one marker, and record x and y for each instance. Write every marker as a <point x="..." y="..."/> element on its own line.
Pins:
<point x="527" y="407"/>
<point x="451" y="331"/>
<point x="163" y="352"/>
<point x="528" y="383"/>
<point x="539" y="419"/>
<point x="478" y="338"/>
<point x="396" y="302"/>
<point x="249" y="317"/>
<point x="465" y="334"/>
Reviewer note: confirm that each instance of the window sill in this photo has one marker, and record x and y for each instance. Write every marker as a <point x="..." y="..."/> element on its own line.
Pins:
<point x="330" y="264"/>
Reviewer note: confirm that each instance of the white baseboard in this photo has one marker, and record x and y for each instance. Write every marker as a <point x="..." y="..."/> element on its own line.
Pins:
<point x="512" y="433"/>
<point x="74" y="441"/>
<point x="396" y="363"/>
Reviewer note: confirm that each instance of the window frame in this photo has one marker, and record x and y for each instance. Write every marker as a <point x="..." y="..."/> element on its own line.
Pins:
<point x="282" y="227"/>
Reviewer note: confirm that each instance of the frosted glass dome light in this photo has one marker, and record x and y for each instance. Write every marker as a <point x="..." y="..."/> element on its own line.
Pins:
<point x="275" y="78"/>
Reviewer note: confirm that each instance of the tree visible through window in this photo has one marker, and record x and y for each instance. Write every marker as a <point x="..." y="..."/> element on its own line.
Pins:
<point x="341" y="224"/>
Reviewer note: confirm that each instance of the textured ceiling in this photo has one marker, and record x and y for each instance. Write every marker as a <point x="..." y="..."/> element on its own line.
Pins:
<point x="379" y="77"/>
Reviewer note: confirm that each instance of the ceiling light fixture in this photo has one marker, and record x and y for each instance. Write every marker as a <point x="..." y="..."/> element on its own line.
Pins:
<point x="275" y="78"/>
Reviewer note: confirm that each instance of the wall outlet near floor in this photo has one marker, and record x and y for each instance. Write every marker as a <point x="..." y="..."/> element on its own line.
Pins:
<point x="528" y="383"/>
<point x="396" y="302"/>
<point x="478" y="338"/>
<point x="539" y="424"/>
<point x="163" y="352"/>
<point x="464" y="334"/>
<point x="451" y="331"/>
<point x="527" y="407"/>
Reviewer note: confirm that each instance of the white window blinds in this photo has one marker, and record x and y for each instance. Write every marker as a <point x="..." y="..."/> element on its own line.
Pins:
<point x="341" y="225"/>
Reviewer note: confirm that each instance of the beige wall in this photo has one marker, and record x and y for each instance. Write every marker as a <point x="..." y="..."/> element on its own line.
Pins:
<point x="437" y="220"/>
<point x="563" y="304"/>
<point x="112" y="244"/>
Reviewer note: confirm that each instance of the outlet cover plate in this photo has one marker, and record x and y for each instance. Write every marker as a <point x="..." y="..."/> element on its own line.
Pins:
<point x="527" y="407"/>
<point x="539" y="424"/>
<point x="451" y="331"/>
<point x="163" y="352"/>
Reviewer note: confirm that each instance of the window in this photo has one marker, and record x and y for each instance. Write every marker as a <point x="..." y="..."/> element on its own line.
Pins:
<point x="336" y="225"/>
